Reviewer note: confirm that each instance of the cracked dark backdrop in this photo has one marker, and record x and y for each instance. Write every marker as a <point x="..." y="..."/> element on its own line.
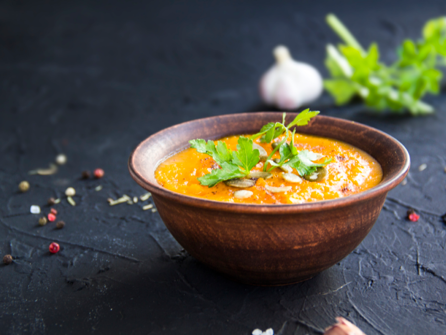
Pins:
<point x="92" y="80"/>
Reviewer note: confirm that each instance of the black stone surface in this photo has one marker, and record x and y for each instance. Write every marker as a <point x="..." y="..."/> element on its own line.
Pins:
<point x="93" y="79"/>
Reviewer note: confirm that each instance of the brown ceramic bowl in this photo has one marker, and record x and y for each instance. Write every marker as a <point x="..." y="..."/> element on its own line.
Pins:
<point x="269" y="244"/>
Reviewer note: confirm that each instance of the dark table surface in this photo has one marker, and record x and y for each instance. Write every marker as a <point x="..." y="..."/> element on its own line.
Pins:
<point x="93" y="79"/>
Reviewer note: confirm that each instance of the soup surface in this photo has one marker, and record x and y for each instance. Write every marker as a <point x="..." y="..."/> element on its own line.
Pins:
<point x="350" y="171"/>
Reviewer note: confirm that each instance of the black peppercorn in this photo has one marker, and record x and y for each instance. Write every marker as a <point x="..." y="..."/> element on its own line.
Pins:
<point x="51" y="201"/>
<point x="60" y="224"/>
<point x="7" y="259"/>
<point x="86" y="174"/>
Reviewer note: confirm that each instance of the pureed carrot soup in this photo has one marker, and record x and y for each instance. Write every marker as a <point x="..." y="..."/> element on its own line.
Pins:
<point x="274" y="166"/>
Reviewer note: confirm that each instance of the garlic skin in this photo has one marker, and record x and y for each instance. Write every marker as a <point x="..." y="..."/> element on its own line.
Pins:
<point x="343" y="327"/>
<point x="289" y="84"/>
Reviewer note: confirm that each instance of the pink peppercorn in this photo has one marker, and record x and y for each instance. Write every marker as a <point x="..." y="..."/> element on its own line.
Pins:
<point x="98" y="173"/>
<point x="414" y="217"/>
<point x="54" y="248"/>
<point x="53" y="211"/>
<point x="51" y="217"/>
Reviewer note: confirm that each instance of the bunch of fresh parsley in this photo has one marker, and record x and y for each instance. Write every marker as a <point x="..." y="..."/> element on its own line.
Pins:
<point x="238" y="164"/>
<point x="398" y="87"/>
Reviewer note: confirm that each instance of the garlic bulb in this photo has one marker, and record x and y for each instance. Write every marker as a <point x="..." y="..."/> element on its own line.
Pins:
<point x="289" y="84"/>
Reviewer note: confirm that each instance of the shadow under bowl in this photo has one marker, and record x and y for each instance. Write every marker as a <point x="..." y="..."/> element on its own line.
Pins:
<point x="269" y="244"/>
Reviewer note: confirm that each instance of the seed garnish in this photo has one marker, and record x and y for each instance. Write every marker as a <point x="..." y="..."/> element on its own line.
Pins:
<point x="34" y="209"/>
<point x="45" y="172"/>
<point x="24" y="186"/>
<point x="422" y="167"/>
<point x="154" y="210"/>
<point x="7" y="259"/>
<point x="146" y="207"/>
<point x="54" y="248"/>
<point x="121" y="200"/>
<point x="145" y="197"/>
<point x="71" y="201"/>
<point x="61" y="159"/>
<point x="98" y="188"/>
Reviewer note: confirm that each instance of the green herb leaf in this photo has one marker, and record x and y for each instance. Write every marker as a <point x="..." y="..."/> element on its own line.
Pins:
<point x="245" y="156"/>
<point x="398" y="87"/>
<point x="220" y="154"/>
<point x="227" y="171"/>
<point x="302" y="162"/>
<point x="303" y="118"/>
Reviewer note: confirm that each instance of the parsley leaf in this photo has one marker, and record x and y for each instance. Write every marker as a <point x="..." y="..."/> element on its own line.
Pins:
<point x="227" y="171"/>
<point x="220" y="154"/>
<point x="245" y="156"/>
<point x="302" y="162"/>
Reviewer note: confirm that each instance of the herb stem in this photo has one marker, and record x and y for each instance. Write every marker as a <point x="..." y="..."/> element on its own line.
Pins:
<point x="342" y="31"/>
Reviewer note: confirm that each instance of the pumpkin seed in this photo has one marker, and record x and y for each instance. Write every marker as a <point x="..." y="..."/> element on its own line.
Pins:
<point x="259" y="174"/>
<point x="278" y="189"/>
<point x="317" y="175"/>
<point x="262" y="152"/>
<point x="291" y="177"/>
<point x="286" y="168"/>
<point x="240" y="182"/>
<point x="243" y="194"/>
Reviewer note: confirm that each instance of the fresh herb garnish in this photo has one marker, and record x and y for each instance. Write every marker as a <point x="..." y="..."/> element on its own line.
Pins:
<point x="238" y="164"/>
<point x="398" y="87"/>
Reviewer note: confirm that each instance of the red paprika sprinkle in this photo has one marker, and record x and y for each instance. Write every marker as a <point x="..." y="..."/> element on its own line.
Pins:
<point x="54" y="248"/>
<point x="51" y="217"/>
<point x="53" y="211"/>
<point x="98" y="173"/>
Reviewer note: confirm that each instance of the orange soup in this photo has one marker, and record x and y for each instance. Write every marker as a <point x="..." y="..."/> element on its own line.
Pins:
<point x="350" y="171"/>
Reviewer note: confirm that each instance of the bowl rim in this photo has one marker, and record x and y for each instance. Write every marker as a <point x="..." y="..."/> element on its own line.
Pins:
<point x="267" y="208"/>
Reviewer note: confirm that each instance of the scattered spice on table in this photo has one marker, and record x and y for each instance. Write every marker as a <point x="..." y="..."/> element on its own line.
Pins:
<point x="61" y="159"/>
<point x="146" y="207"/>
<point x="412" y="216"/>
<point x="145" y="197"/>
<point x="98" y="188"/>
<point x="51" y="217"/>
<point x="45" y="172"/>
<point x="135" y="199"/>
<point x="43" y="221"/>
<point x="7" y="259"/>
<point x="71" y="201"/>
<point x="99" y="173"/>
<point x="54" y="211"/>
<point x="34" y="209"/>
<point x="404" y="182"/>
<point x="51" y="201"/>
<point x="154" y="210"/>
<point x="121" y="200"/>
<point x="60" y="224"/>
<point x="54" y="248"/>
<point x="86" y="174"/>
<point x="70" y="192"/>
<point x="422" y="167"/>
<point x="24" y="186"/>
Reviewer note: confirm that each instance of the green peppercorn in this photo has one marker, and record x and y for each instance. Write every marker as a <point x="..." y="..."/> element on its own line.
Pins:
<point x="24" y="186"/>
<point x="7" y="259"/>
<point x="60" y="224"/>
<point x="43" y="221"/>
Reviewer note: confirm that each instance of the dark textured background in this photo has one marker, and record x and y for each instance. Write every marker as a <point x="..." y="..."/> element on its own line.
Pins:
<point x="93" y="79"/>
